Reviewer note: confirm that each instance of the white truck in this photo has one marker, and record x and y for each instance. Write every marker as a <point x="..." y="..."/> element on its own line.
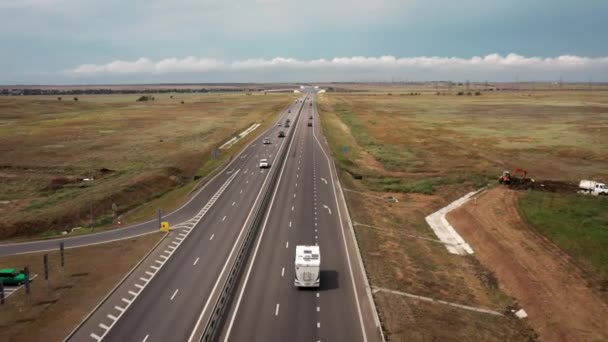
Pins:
<point x="308" y="266"/>
<point x="593" y="187"/>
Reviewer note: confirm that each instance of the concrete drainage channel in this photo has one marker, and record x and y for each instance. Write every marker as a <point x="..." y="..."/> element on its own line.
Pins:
<point x="101" y="319"/>
<point x="215" y="321"/>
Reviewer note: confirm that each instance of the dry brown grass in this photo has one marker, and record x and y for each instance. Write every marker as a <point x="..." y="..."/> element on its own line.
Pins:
<point x="50" y="313"/>
<point x="152" y="147"/>
<point x="427" y="150"/>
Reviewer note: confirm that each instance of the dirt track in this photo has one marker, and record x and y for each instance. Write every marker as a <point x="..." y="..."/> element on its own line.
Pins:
<point x="546" y="283"/>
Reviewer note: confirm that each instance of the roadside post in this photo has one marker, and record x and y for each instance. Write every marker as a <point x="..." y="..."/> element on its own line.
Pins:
<point x="1" y="293"/>
<point x="61" y="255"/>
<point x="160" y="217"/>
<point x="26" y="270"/>
<point x="164" y="227"/>
<point x="45" y="261"/>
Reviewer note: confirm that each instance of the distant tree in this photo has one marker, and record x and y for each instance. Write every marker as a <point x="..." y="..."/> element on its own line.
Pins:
<point x="75" y="99"/>
<point x="59" y="98"/>
<point x="389" y="94"/>
<point x="171" y="96"/>
<point x="182" y="102"/>
<point x="460" y="93"/>
<point x="477" y="93"/>
<point x="469" y="93"/>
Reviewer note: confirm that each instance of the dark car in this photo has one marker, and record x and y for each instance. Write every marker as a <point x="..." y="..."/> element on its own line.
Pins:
<point x="281" y="134"/>
<point x="309" y="123"/>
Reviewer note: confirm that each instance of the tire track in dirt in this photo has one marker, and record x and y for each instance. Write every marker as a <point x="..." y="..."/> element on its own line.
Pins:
<point x="545" y="281"/>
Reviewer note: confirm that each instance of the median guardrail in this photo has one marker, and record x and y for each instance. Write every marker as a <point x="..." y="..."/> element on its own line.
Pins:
<point x="217" y="317"/>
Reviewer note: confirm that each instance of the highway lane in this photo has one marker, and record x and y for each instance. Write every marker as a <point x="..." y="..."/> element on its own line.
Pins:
<point x="168" y="308"/>
<point x="185" y="212"/>
<point x="267" y="306"/>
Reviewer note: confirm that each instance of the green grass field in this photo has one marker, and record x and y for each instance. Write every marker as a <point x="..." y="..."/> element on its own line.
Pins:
<point x="578" y="224"/>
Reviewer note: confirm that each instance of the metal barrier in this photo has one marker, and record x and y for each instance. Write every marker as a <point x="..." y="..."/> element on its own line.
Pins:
<point x="224" y="299"/>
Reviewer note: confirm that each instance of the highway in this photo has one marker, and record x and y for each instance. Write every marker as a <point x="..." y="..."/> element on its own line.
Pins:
<point x="304" y="211"/>
<point x="183" y="213"/>
<point x="168" y="306"/>
<point x="172" y="295"/>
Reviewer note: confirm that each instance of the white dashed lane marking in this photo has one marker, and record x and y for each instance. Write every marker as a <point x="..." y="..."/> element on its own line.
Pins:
<point x="174" y="293"/>
<point x="195" y="261"/>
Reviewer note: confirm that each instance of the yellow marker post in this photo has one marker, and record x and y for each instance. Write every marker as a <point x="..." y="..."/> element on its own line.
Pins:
<point x="164" y="226"/>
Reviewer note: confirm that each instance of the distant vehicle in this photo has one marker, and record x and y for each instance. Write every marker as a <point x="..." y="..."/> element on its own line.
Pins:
<point x="279" y="124"/>
<point x="264" y="164"/>
<point x="593" y="187"/>
<point x="289" y="111"/>
<point x="288" y="120"/>
<point x="266" y="141"/>
<point x="508" y="177"/>
<point x="10" y="276"/>
<point x="281" y="134"/>
<point x="311" y="103"/>
<point x="307" y="266"/>
<point x="309" y="123"/>
<point x="287" y="124"/>
<point x="310" y="117"/>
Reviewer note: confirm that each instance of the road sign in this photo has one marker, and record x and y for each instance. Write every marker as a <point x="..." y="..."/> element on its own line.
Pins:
<point x="164" y="226"/>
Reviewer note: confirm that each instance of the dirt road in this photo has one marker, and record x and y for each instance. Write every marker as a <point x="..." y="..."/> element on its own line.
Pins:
<point x="546" y="283"/>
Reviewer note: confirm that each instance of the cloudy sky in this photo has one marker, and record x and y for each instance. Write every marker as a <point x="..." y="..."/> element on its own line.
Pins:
<point x="137" y="41"/>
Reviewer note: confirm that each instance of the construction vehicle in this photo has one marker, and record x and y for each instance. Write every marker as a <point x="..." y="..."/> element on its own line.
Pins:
<point x="508" y="177"/>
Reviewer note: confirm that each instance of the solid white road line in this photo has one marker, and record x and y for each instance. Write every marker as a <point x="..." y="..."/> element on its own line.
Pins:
<point x="174" y="293"/>
<point x="211" y="238"/>
<point x="195" y="261"/>
<point x="350" y="268"/>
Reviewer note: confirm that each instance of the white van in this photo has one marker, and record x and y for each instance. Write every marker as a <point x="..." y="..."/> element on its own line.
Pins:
<point x="307" y="266"/>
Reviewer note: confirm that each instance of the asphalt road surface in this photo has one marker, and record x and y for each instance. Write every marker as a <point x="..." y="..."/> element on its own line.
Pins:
<point x="173" y="300"/>
<point x="304" y="211"/>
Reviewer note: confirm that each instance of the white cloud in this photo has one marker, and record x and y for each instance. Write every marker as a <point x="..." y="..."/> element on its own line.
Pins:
<point x="490" y="64"/>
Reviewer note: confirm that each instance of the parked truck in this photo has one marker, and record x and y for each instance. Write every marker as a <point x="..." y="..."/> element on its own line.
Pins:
<point x="593" y="187"/>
